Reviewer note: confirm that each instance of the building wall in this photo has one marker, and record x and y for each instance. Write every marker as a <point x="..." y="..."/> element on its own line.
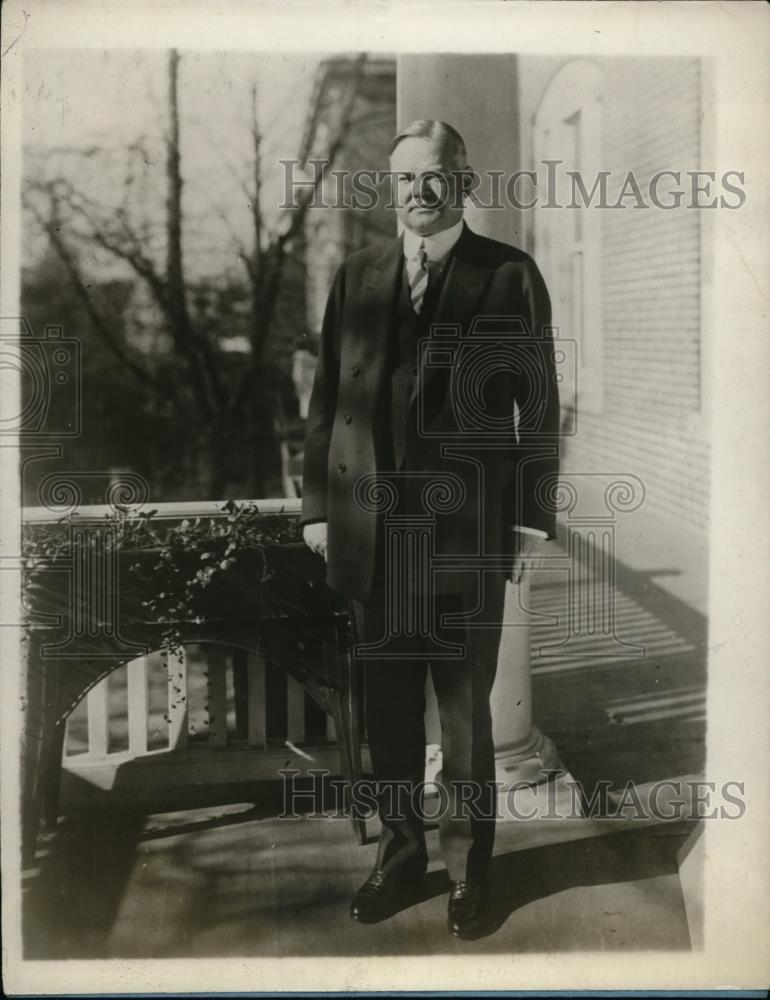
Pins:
<point x="653" y="409"/>
<point x="478" y="94"/>
<point x="651" y="412"/>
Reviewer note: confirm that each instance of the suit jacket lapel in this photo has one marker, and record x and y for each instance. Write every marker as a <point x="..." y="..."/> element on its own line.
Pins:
<point x="460" y="296"/>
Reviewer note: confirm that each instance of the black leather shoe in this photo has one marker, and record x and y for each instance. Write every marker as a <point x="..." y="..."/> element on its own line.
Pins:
<point x="466" y="908"/>
<point x="381" y="894"/>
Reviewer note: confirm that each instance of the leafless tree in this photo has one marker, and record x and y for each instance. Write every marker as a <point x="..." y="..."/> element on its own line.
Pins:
<point x="209" y="394"/>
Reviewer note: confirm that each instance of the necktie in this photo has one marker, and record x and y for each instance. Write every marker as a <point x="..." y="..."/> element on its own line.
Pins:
<point x="418" y="277"/>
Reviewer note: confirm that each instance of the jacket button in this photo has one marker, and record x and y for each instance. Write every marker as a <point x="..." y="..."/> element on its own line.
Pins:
<point x="355" y="371"/>
<point x="342" y="467"/>
<point x="348" y="418"/>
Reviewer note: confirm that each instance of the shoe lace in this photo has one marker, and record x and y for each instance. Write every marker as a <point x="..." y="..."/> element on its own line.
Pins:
<point x="377" y="878"/>
<point x="466" y="890"/>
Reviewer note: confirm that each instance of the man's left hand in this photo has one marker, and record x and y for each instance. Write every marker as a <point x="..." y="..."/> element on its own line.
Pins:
<point x="528" y="554"/>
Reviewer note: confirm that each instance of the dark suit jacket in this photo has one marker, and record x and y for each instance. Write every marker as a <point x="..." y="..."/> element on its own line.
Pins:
<point x="490" y="347"/>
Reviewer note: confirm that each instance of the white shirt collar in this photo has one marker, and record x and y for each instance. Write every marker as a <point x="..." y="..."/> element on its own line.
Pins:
<point x="437" y="246"/>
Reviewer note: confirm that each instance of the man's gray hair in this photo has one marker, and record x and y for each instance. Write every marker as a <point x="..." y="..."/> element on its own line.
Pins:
<point x="431" y="128"/>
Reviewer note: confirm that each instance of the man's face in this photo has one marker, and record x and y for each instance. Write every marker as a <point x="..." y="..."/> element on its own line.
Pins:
<point x="426" y="185"/>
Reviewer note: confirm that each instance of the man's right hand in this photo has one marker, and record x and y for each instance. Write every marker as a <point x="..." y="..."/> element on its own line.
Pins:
<point x="315" y="537"/>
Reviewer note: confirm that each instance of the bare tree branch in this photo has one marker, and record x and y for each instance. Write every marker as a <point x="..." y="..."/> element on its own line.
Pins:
<point x="222" y="395"/>
<point x="207" y="382"/>
<point x="274" y="258"/>
<point x="50" y="225"/>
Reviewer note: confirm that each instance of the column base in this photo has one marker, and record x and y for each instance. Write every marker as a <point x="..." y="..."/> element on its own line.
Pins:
<point x="526" y="806"/>
<point x="521" y="771"/>
<point x="529" y="762"/>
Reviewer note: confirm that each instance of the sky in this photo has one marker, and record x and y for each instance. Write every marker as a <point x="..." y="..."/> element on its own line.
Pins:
<point x="76" y="99"/>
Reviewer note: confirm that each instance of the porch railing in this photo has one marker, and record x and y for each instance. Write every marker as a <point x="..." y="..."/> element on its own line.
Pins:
<point x="228" y="708"/>
<point x="214" y="712"/>
<point x="171" y="511"/>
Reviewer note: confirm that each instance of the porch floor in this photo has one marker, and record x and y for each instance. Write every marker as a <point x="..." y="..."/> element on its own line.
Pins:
<point x="225" y="882"/>
<point x="224" y="877"/>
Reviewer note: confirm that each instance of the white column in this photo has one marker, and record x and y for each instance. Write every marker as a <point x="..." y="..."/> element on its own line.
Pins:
<point x="522" y="752"/>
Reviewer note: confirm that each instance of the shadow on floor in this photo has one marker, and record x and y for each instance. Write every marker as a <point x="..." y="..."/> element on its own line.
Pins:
<point x="626" y="860"/>
<point x="72" y="893"/>
<point x="80" y="877"/>
<point x="228" y="879"/>
<point x="215" y="885"/>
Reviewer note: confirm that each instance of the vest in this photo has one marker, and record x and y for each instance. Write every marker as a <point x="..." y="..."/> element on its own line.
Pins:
<point x="407" y="329"/>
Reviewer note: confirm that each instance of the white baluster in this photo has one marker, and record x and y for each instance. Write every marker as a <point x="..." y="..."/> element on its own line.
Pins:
<point x="98" y="720"/>
<point x="295" y="710"/>
<point x="177" y="700"/>
<point x="217" y="666"/>
<point x="137" y="706"/>
<point x="257" y="703"/>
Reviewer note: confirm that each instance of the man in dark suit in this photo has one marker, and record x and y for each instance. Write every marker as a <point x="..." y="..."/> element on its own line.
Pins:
<point x="430" y="460"/>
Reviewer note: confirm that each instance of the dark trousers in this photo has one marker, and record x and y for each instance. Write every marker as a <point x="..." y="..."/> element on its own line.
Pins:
<point x="395" y="719"/>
